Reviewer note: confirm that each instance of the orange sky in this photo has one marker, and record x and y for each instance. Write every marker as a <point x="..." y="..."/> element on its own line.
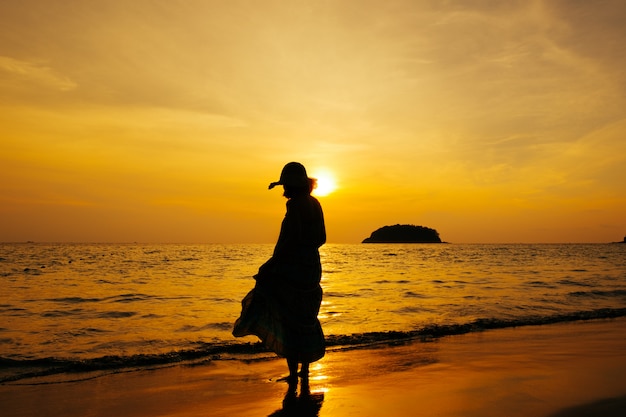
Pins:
<point x="164" y="121"/>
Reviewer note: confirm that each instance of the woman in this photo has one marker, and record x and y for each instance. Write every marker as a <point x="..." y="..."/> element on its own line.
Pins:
<point x="282" y="308"/>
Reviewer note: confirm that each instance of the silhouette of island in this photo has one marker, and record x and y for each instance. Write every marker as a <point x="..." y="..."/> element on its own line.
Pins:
<point x="404" y="233"/>
<point x="623" y="241"/>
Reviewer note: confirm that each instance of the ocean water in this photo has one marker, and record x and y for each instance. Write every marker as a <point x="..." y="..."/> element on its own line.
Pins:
<point x="85" y="307"/>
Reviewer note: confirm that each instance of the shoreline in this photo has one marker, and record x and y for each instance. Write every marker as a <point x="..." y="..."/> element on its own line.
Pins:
<point x="552" y="370"/>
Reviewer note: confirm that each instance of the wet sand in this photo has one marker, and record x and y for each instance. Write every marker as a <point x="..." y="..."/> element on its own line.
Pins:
<point x="560" y="370"/>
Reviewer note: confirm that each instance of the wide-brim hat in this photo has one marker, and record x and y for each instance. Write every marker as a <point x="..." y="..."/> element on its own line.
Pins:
<point x="293" y="175"/>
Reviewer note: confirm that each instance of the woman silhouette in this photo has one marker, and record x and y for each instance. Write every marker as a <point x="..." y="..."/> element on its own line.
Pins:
<point x="282" y="308"/>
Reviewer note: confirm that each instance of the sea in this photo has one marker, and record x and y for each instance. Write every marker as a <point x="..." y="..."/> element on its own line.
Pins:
<point x="70" y="310"/>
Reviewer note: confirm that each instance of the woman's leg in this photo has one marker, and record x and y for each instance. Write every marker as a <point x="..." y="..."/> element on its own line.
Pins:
<point x="304" y="371"/>
<point x="292" y="364"/>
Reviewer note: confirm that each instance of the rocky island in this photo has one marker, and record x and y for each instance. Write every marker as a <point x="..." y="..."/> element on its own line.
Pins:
<point x="404" y="233"/>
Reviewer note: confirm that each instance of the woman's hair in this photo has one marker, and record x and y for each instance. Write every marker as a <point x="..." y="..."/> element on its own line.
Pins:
<point x="291" y="191"/>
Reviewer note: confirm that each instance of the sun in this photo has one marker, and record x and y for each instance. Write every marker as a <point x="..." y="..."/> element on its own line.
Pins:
<point x="325" y="183"/>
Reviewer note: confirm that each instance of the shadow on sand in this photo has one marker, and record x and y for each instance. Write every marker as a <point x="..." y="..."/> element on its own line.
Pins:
<point x="306" y="404"/>
<point x="610" y="407"/>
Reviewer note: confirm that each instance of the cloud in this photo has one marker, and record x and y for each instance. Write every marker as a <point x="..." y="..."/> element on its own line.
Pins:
<point x="34" y="73"/>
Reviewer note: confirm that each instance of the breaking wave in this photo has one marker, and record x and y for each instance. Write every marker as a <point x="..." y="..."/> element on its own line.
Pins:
<point x="35" y="371"/>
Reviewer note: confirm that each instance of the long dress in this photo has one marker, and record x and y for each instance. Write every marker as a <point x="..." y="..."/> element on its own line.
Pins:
<point x="283" y="306"/>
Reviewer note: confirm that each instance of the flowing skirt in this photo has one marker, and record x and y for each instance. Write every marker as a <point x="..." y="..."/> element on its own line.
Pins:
<point x="284" y="317"/>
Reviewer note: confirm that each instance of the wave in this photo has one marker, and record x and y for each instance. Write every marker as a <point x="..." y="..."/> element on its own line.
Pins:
<point x="14" y="370"/>
<point x="121" y="298"/>
<point x="599" y="293"/>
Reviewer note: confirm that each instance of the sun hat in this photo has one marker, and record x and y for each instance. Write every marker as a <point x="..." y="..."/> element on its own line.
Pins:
<point x="292" y="175"/>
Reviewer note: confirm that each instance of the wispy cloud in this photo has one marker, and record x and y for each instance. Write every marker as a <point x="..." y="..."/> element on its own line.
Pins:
<point x="35" y="73"/>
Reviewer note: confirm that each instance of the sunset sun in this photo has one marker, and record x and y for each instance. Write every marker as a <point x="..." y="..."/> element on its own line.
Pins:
<point x="325" y="183"/>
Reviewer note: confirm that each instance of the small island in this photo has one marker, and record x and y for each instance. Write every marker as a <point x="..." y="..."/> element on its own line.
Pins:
<point x="404" y="233"/>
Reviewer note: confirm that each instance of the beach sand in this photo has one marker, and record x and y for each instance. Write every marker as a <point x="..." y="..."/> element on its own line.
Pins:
<point x="559" y="370"/>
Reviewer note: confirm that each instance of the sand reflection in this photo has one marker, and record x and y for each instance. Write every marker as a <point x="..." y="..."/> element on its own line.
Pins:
<point x="306" y="402"/>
